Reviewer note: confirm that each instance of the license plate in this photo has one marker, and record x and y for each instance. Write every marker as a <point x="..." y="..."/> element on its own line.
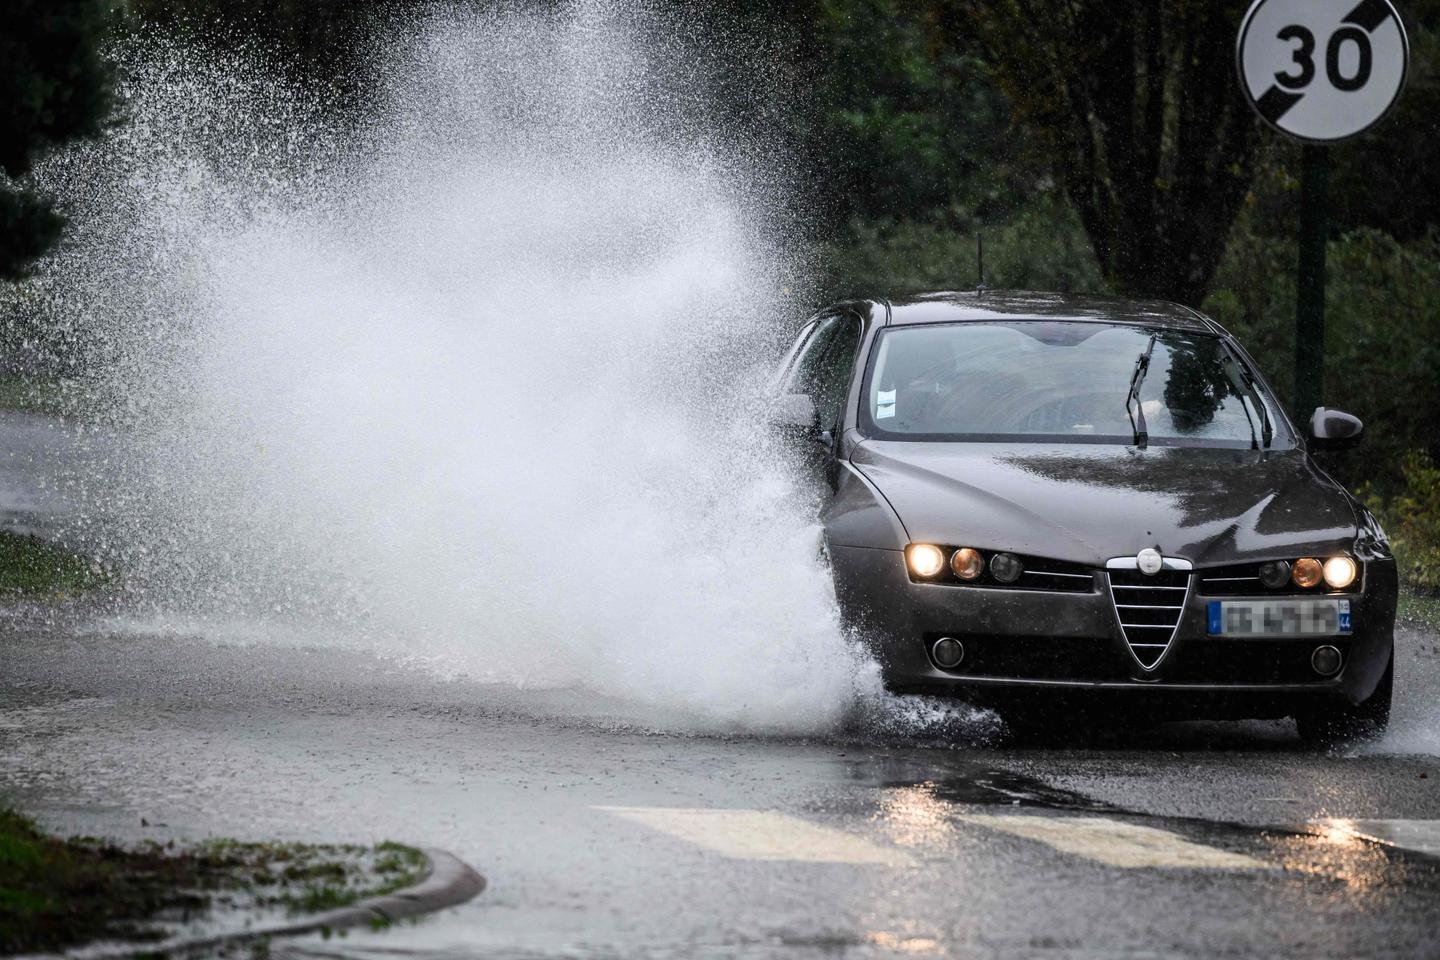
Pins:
<point x="1278" y="618"/>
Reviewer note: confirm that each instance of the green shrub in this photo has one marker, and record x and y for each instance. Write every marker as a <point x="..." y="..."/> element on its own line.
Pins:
<point x="1412" y="521"/>
<point x="1382" y="337"/>
<point x="30" y="565"/>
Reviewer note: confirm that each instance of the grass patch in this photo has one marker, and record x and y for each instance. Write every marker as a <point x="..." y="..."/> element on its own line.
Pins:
<point x="56" y="894"/>
<point x="31" y="565"/>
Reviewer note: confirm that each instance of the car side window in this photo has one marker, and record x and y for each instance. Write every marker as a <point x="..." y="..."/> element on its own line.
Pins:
<point x="805" y="371"/>
<point x="787" y="365"/>
<point x="836" y="370"/>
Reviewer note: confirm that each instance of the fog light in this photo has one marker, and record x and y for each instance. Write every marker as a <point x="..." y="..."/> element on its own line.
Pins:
<point x="1339" y="572"/>
<point x="1006" y="567"/>
<point x="1326" y="660"/>
<point x="948" y="652"/>
<point x="1275" y="574"/>
<point x="925" y="560"/>
<point x="967" y="563"/>
<point x="1306" y="572"/>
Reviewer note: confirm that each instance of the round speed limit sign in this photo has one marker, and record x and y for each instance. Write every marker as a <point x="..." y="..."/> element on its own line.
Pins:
<point x="1322" y="70"/>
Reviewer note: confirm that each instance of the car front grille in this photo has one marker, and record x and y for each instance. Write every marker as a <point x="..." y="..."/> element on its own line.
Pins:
<point x="1149" y="607"/>
<point x="1042" y="574"/>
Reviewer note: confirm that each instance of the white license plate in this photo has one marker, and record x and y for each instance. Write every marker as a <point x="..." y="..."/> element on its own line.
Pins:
<point x="1278" y="618"/>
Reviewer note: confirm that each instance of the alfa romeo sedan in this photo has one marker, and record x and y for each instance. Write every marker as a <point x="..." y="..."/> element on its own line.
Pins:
<point x="1033" y="500"/>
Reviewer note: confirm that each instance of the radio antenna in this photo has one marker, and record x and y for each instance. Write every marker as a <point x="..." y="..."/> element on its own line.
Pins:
<point x="980" y="287"/>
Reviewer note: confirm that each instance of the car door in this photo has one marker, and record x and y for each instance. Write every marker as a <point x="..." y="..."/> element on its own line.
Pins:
<point x="822" y="370"/>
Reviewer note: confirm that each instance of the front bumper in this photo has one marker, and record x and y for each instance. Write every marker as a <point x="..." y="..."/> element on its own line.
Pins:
<point x="1021" y="643"/>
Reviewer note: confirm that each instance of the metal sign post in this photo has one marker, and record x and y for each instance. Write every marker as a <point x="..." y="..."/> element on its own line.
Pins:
<point x="1319" y="71"/>
<point x="1309" y="390"/>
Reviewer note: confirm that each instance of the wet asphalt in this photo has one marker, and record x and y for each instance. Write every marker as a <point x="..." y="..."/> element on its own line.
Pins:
<point x="602" y="837"/>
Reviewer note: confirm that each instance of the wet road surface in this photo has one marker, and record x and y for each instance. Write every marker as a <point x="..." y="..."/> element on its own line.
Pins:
<point x="602" y="840"/>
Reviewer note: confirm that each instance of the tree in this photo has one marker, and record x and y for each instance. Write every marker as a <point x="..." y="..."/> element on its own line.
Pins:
<point x="1136" y="105"/>
<point x="54" y="86"/>
<point x="907" y="126"/>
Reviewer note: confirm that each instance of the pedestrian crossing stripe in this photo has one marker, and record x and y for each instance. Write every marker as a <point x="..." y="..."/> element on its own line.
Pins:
<point x="1116" y="843"/>
<point x="761" y="835"/>
<point x="767" y="835"/>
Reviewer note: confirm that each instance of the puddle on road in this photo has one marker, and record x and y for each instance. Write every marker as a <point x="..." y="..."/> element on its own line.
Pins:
<point x="919" y="799"/>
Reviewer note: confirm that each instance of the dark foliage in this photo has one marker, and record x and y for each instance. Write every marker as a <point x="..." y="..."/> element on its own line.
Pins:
<point x="29" y="226"/>
<point x="317" y="41"/>
<point x="908" y="124"/>
<point x="1136" y="105"/>
<point x="54" y="86"/>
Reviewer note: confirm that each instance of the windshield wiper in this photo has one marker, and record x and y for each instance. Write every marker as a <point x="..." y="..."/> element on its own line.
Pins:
<point x="1137" y="417"/>
<point x="1266" y="430"/>
<point x="1247" y="380"/>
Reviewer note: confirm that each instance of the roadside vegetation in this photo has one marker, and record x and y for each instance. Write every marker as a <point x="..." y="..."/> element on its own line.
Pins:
<point x="1412" y="521"/>
<point x="31" y="567"/>
<point x="58" y="894"/>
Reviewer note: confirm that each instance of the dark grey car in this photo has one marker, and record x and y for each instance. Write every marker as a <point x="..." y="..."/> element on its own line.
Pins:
<point x="1032" y="499"/>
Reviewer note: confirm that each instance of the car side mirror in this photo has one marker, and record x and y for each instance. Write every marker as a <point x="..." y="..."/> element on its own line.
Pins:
<point x="795" y="411"/>
<point x="1334" y="429"/>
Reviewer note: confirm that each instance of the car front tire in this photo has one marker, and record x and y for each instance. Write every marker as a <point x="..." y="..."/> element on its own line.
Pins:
<point x="1365" y="721"/>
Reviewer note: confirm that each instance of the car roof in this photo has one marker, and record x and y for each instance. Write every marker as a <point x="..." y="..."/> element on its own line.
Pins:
<point x="960" y="306"/>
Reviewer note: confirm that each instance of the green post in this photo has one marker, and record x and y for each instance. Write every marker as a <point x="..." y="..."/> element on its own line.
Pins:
<point x="1310" y="290"/>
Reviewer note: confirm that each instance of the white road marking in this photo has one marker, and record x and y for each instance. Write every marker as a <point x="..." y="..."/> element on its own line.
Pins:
<point x="761" y="835"/>
<point x="1116" y="843"/>
<point x="1422" y="836"/>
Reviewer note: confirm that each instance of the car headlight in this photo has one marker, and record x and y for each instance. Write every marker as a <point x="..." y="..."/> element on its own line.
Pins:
<point x="1306" y="572"/>
<point x="925" y="559"/>
<point x="967" y="563"/>
<point x="1275" y="574"/>
<point x="1340" y="572"/>
<point x="1006" y="567"/>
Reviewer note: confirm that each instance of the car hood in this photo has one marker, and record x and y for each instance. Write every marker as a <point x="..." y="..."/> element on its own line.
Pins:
<point x="1089" y="503"/>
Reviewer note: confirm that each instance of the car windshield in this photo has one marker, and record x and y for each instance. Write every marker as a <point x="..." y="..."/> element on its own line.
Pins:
<point x="1068" y="382"/>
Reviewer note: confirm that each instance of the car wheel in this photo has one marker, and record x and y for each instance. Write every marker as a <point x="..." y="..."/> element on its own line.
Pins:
<point x="1337" y="726"/>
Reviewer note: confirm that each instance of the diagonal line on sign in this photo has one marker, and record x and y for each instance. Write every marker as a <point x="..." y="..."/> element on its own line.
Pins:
<point x="1368" y="15"/>
<point x="1275" y="103"/>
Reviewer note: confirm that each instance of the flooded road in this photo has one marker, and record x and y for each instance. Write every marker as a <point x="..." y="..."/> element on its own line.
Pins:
<point x="601" y="840"/>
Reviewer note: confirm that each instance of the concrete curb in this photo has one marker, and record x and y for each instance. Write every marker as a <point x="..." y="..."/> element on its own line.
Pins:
<point x="449" y="882"/>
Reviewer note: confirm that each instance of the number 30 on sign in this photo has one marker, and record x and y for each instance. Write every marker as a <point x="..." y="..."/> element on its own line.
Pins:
<point x="1322" y="70"/>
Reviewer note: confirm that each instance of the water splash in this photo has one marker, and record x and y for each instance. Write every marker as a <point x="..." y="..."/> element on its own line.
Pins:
<point x="474" y="384"/>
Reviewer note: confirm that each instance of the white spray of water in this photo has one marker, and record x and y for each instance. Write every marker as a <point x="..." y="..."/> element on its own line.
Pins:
<point x="479" y="385"/>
